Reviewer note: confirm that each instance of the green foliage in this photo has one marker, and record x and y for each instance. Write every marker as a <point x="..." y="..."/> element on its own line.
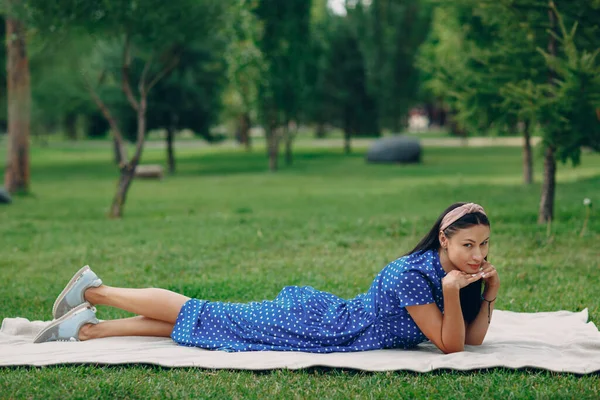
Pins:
<point x="331" y="221"/>
<point x="390" y="33"/>
<point x="475" y="48"/>
<point x="245" y="64"/>
<point x="285" y="45"/>
<point x="338" y="79"/>
<point x="58" y="63"/>
<point x="484" y="58"/>
<point x="567" y="105"/>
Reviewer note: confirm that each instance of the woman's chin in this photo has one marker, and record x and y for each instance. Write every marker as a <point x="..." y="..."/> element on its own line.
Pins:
<point x="471" y="269"/>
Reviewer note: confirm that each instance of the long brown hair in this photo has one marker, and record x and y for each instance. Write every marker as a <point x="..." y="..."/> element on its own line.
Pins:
<point x="470" y="296"/>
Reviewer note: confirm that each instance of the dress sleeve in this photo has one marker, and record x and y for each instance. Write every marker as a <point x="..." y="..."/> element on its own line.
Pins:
<point x="413" y="289"/>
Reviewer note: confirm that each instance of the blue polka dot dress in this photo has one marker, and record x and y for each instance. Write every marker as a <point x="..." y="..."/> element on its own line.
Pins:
<point x="309" y="320"/>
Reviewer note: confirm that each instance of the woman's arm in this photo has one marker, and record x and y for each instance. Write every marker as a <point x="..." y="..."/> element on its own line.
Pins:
<point x="476" y="330"/>
<point x="446" y="331"/>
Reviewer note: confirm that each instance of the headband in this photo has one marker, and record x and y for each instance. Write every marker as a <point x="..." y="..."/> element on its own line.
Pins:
<point x="459" y="212"/>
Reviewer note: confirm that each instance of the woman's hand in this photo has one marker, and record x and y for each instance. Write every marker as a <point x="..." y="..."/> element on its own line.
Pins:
<point x="460" y="279"/>
<point x="490" y="275"/>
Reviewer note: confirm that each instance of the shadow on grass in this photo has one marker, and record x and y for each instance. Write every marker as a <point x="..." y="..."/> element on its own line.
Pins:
<point x="221" y="164"/>
<point x="453" y="165"/>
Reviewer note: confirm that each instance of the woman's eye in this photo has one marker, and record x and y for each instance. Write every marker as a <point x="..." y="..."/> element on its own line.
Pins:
<point x="468" y="245"/>
<point x="485" y="243"/>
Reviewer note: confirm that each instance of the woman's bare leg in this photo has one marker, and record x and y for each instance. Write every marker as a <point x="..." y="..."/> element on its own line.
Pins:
<point x="135" y="326"/>
<point x="157" y="304"/>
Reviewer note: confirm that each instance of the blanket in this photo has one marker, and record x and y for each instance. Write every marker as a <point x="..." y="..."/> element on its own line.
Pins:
<point x="560" y="341"/>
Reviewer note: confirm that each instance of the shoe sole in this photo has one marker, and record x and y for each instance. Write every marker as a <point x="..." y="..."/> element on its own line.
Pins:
<point x="80" y="308"/>
<point x="71" y="283"/>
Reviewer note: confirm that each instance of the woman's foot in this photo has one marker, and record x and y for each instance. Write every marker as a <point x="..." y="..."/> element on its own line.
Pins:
<point x="73" y="294"/>
<point x="67" y="327"/>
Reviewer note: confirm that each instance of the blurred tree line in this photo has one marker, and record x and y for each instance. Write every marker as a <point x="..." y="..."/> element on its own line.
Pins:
<point x="123" y="67"/>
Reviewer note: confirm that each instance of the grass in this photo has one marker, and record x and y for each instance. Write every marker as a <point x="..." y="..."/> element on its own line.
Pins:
<point x="226" y="229"/>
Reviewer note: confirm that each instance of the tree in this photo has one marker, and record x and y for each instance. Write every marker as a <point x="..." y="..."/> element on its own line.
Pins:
<point x="17" y="175"/>
<point x="473" y="51"/>
<point x="340" y="90"/>
<point x="284" y="45"/>
<point x="245" y="70"/>
<point x="152" y="32"/>
<point x="190" y="97"/>
<point x="500" y="68"/>
<point x="390" y="33"/>
<point x="566" y="105"/>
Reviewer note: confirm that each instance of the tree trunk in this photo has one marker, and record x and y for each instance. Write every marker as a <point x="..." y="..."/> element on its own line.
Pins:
<point x="546" y="213"/>
<point x="128" y="171"/>
<point x="170" y="152"/>
<point x="347" y="141"/>
<point x="289" y="140"/>
<point x="273" y="152"/>
<point x="120" y="154"/>
<point x="116" y="209"/>
<point x="320" y="132"/>
<point x="348" y="128"/>
<point x="244" y="130"/>
<point x="548" y="187"/>
<point x="273" y="147"/>
<point x="16" y="178"/>
<point x="71" y="126"/>
<point x="527" y="157"/>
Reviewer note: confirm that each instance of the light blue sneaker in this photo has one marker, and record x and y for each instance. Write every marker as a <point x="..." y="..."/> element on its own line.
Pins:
<point x="72" y="294"/>
<point x="66" y="328"/>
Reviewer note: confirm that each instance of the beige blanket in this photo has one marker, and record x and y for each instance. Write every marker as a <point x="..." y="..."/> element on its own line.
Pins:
<point x="558" y="341"/>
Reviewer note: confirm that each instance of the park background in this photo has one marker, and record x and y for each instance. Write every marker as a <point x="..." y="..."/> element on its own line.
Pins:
<point x="261" y="114"/>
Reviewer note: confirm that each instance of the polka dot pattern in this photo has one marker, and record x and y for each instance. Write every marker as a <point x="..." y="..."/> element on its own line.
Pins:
<point x="309" y="320"/>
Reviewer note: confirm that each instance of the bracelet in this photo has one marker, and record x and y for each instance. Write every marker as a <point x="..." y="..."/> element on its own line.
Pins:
<point x="489" y="307"/>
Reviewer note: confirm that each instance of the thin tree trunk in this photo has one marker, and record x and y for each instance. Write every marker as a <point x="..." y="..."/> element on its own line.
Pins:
<point x="548" y="187"/>
<point x="347" y="141"/>
<point x="16" y="177"/>
<point x="546" y="212"/>
<point x="125" y="179"/>
<point x="170" y="151"/>
<point x="273" y="151"/>
<point x="273" y="146"/>
<point x="120" y="152"/>
<point x="289" y="140"/>
<point x="347" y="132"/>
<point x="120" y="156"/>
<point x="128" y="171"/>
<point x="527" y="157"/>
<point x="71" y="126"/>
<point x="244" y="130"/>
<point x="320" y="132"/>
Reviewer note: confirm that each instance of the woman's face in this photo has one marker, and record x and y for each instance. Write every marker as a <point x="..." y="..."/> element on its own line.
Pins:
<point x="467" y="248"/>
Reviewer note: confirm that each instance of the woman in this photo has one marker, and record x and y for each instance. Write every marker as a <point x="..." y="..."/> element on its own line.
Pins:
<point x="434" y="292"/>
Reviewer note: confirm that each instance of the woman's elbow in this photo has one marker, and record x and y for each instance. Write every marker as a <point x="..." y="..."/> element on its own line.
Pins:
<point x="474" y="342"/>
<point x="452" y="349"/>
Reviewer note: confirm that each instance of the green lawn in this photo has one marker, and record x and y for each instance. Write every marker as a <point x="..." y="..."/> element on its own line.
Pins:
<point x="224" y="228"/>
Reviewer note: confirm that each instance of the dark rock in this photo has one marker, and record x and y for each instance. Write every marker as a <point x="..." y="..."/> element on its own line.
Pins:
<point x="4" y="197"/>
<point x="396" y="149"/>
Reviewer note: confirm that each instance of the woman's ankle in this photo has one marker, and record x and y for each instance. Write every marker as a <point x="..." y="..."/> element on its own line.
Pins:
<point x="86" y="332"/>
<point x="94" y="295"/>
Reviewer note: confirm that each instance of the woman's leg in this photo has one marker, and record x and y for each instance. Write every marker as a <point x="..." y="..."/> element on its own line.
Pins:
<point x="156" y="304"/>
<point x="135" y="326"/>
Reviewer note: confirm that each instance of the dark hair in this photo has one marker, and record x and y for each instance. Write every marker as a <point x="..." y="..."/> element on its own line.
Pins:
<point x="470" y="296"/>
